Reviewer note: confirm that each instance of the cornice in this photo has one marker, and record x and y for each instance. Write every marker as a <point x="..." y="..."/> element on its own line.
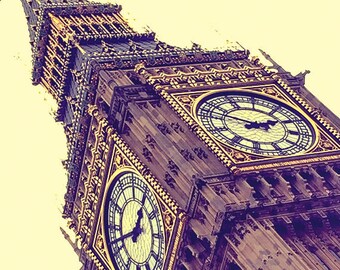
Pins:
<point x="310" y="206"/>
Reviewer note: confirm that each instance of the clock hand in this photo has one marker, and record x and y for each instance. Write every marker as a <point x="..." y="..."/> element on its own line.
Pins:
<point x="137" y="229"/>
<point x="239" y="119"/>
<point x="265" y="125"/>
<point x="123" y="237"/>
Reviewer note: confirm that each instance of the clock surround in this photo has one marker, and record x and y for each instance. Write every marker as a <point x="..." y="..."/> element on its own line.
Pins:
<point x="255" y="123"/>
<point x="133" y="223"/>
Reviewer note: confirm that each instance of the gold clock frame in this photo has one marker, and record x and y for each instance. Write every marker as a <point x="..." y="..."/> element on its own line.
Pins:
<point x="110" y="182"/>
<point x="207" y="93"/>
<point x="124" y="160"/>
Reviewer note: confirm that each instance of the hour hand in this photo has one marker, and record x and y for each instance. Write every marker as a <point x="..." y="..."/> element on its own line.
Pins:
<point x="264" y="125"/>
<point x="137" y="230"/>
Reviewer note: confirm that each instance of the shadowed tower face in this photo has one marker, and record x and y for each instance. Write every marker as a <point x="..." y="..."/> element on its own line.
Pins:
<point x="185" y="158"/>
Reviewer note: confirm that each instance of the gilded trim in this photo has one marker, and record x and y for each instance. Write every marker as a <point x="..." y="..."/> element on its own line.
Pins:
<point x="272" y="96"/>
<point x="178" y="238"/>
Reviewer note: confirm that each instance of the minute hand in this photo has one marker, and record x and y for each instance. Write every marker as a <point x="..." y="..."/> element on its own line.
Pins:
<point x="123" y="237"/>
<point x="239" y="119"/>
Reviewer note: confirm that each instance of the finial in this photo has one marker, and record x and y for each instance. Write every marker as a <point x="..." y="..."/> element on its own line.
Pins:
<point x="68" y="238"/>
<point x="275" y="65"/>
<point x="301" y="76"/>
<point x="196" y="46"/>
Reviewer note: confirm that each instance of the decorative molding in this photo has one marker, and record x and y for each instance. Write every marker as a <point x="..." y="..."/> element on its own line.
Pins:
<point x="173" y="167"/>
<point x="284" y="163"/>
<point x="169" y="180"/>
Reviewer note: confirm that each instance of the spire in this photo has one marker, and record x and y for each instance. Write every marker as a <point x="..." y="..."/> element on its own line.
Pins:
<point x="273" y="62"/>
<point x="74" y="245"/>
<point x="299" y="78"/>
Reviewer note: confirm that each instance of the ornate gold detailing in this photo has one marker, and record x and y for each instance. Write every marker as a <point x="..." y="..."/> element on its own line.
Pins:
<point x="187" y="101"/>
<point x="100" y="243"/>
<point x="119" y="160"/>
<point x="169" y="220"/>
<point x="325" y="144"/>
<point x="182" y="217"/>
<point x="56" y="22"/>
<point x="202" y="76"/>
<point x="107" y="48"/>
<point x="91" y="178"/>
<point x="94" y="258"/>
<point x="240" y="156"/>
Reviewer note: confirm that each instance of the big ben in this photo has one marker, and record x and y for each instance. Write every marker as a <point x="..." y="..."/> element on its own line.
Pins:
<point x="185" y="158"/>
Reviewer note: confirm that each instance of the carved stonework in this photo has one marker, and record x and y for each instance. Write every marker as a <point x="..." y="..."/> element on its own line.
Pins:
<point x="164" y="128"/>
<point x="169" y="180"/>
<point x="147" y="154"/>
<point x="150" y="141"/>
<point x="173" y="167"/>
<point x="119" y="160"/>
<point x="325" y="144"/>
<point x="200" y="153"/>
<point x="169" y="220"/>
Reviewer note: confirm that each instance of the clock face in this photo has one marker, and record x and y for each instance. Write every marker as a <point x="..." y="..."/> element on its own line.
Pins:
<point x="134" y="226"/>
<point x="255" y="123"/>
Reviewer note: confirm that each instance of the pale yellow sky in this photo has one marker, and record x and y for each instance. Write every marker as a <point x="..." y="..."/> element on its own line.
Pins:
<point x="298" y="34"/>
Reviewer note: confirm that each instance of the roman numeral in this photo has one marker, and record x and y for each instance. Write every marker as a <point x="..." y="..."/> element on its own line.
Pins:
<point x="293" y="132"/>
<point x="154" y="254"/>
<point x="118" y="209"/>
<point x="219" y="117"/>
<point x="274" y="110"/>
<point x="217" y="129"/>
<point x="117" y="250"/>
<point x="143" y="198"/>
<point x="275" y="145"/>
<point x="256" y="146"/>
<point x="237" y="139"/>
<point x="116" y="227"/>
<point x="133" y="190"/>
<point x="252" y="102"/>
<point x="157" y="236"/>
<point x="232" y="102"/>
<point x="152" y="215"/>
<point x="289" y="141"/>
<point x="291" y="121"/>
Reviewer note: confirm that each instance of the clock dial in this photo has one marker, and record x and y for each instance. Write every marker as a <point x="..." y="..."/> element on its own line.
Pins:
<point x="134" y="226"/>
<point x="255" y="123"/>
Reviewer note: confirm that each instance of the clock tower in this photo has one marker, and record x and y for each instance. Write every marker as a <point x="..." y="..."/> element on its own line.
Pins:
<point x="185" y="158"/>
